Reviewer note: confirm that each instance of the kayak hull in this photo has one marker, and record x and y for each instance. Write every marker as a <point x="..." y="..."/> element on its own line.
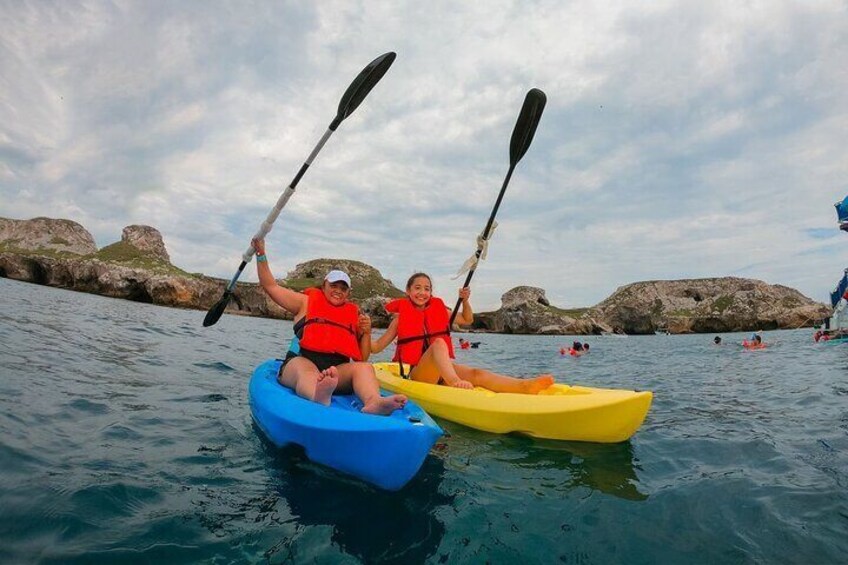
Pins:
<point x="562" y="412"/>
<point x="386" y="451"/>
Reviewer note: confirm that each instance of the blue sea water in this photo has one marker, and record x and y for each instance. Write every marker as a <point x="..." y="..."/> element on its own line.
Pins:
<point x="125" y="437"/>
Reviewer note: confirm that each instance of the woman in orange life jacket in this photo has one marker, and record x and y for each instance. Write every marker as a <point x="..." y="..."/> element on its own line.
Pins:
<point x="334" y="342"/>
<point x="431" y="355"/>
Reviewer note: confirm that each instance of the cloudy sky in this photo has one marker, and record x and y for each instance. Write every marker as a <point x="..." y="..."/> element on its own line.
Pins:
<point x="680" y="139"/>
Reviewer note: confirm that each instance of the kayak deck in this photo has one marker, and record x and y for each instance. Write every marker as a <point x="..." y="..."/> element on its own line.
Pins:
<point x="561" y="412"/>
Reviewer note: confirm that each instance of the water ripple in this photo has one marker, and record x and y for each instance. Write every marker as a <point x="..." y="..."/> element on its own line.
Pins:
<point x="125" y="436"/>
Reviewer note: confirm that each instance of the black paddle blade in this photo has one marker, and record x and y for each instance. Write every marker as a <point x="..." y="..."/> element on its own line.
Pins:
<point x="525" y="127"/>
<point x="214" y="313"/>
<point x="362" y="85"/>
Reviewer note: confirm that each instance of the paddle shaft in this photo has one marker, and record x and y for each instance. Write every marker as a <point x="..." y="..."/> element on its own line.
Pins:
<point x="266" y="226"/>
<point x="351" y="99"/>
<point x="522" y="136"/>
<point x="485" y="237"/>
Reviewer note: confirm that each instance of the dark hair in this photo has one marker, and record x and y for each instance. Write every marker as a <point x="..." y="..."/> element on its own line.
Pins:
<point x="415" y="276"/>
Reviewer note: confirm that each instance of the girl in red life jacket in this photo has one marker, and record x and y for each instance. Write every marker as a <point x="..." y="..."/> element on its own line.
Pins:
<point x="335" y="341"/>
<point x="421" y="326"/>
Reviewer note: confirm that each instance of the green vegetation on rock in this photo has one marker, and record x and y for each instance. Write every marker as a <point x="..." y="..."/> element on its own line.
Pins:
<point x="129" y="255"/>
<point x="722" y="303"/>
<point x="367" y="281"/>
<point x="790" y="302"/>
<point x="9" y="246"/>
<point x="680" y="313"/>
<point x="301" y="284"/>
<point x="570" y="312"/>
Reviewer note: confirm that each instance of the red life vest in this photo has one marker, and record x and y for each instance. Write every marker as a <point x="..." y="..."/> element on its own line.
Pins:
<point x="328" y="328"/>
<point x="418" y="328"/>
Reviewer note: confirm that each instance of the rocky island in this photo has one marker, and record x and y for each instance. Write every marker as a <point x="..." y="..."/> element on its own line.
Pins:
<point x="62" y="253"/>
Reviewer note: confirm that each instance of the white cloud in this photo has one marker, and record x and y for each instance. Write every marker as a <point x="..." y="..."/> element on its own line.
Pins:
<point x="679" y="140"/>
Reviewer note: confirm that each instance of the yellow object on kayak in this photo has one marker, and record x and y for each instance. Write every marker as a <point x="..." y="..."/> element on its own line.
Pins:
<point x="563" y="412"/>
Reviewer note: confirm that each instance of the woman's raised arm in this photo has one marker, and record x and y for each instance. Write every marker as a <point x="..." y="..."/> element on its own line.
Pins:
<point x="285" y="297"/>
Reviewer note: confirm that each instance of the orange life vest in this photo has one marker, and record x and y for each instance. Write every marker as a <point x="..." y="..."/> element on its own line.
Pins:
<point x="328" y="328"/>
<point x="418" y="328"/>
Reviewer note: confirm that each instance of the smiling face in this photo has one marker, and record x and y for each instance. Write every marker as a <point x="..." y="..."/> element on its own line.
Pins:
<point x="336" y="293"/>
<point x="419" y="289"/>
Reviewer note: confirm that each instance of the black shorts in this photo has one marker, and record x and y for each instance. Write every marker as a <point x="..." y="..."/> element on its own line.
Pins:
<point x="321" y="360"/>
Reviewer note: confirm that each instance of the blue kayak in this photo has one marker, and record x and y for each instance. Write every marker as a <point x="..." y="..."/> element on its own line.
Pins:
<point x="384" y="450"/>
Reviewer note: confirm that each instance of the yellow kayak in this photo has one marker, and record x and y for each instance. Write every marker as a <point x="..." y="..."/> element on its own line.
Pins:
<point x="563" y="412"/>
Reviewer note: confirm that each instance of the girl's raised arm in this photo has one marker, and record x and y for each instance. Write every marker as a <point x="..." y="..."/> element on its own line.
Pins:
<point x="384" y="340"/>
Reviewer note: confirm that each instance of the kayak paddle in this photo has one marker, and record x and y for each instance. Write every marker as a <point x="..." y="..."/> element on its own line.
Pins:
<point x="352" y="98"/>
<point x="522" y="136"/>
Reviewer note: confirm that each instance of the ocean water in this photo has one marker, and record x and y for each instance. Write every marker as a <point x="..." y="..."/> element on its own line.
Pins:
<point x="125" y="437"/>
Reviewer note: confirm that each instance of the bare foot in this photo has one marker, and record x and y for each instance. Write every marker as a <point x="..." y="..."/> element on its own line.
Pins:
<point x="463" y="384"/>
<point x="385" y="405"/>
<point x="327" y="382"/>
<point x="533" y="386"/>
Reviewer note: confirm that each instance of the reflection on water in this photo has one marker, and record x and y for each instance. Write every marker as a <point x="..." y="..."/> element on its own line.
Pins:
<point x="560" y="466"/>
<point x="608" y="468"/>
<point x="371" y="524"/>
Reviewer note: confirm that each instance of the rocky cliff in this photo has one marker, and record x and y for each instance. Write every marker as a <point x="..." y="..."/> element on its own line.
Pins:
<point x="707" y="305"/>
<point x="45" y="234"/>
<point x="62" y="253"/>
<point x="147" y="240"/>
<point x="526" y="310"/>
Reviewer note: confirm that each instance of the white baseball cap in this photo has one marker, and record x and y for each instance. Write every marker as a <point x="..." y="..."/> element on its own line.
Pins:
<point x="338" y="276"/>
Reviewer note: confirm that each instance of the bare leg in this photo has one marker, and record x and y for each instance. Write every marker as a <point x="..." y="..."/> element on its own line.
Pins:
<point x="302" y="376"/>
<point x="502" y="383"/>
<point x="436" y="364"/>
<point x="361" y="380"/>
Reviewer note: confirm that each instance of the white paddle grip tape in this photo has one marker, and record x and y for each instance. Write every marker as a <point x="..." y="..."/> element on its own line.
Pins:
<point x="266" y="226"/>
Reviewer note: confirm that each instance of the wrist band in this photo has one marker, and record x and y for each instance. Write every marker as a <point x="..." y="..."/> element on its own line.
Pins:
<point x="261" y="258"/>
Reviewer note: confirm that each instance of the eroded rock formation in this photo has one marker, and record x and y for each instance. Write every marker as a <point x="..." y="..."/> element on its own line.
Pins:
<point x="147" y="240"/>
<point x="707" y="305"/>
<point x="526" y="310"/>
<point x="45" y="234"/>
<point x="62" y="253"/>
